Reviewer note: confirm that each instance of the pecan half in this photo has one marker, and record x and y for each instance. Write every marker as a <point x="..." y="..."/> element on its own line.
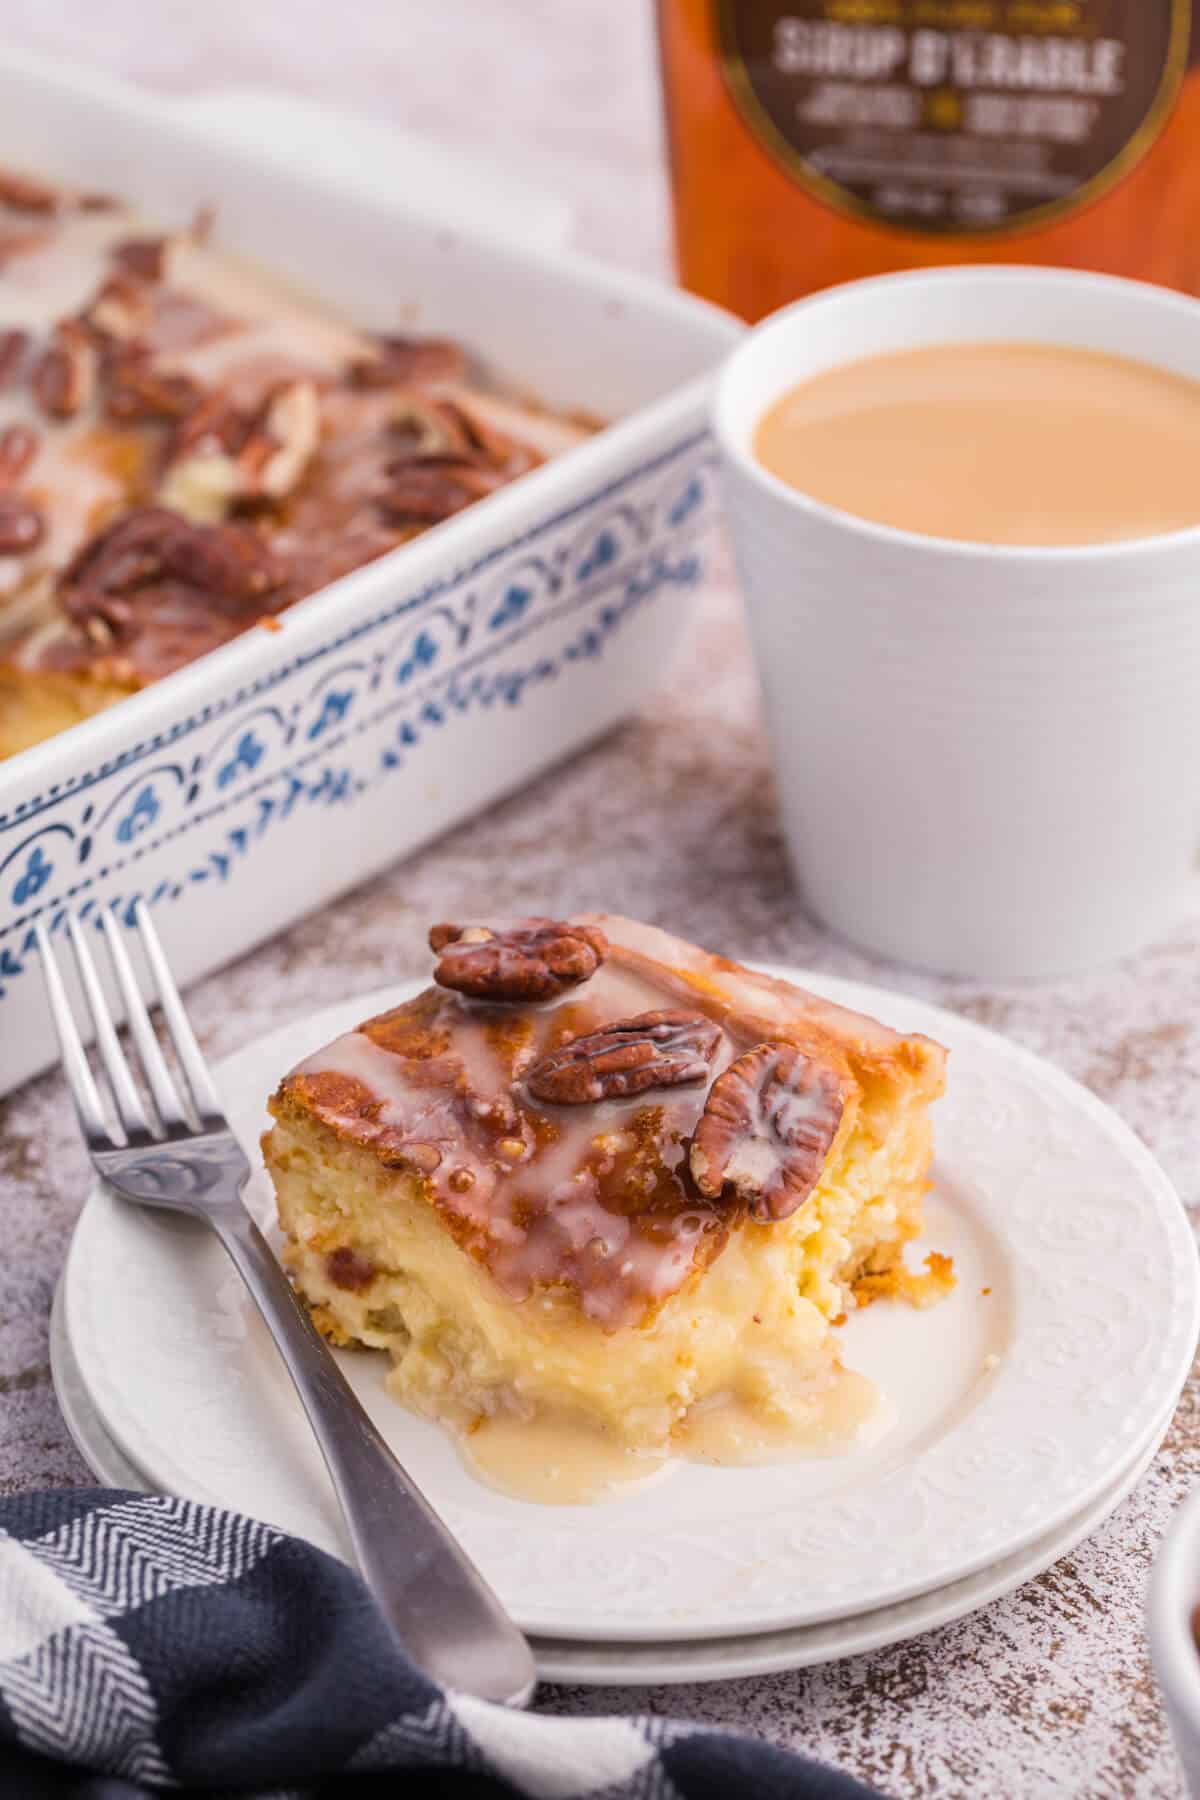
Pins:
<point x="423" y="425"/>
<point x="226" y="568"/>
<point x="434" y="489"/>
<point x="289" y="431"/>
<point x="487" y="443"/>
<point x="23" y="194"/>
<point x="404" y="361"/>
<point x="13" y="345"/>
<point x="231" y="562"/>
<point x="21" y="525"/>
<point x="64" y="376"/>
<point x="18" y="447"/>
<point x="138" y="393"/>
<point x="653" y="1050"/>
<point x="448" y="457"/>
<point x="535" y="960"/>
<point x="766" y="1129"/>
<point x="145" y="257"/>
<point x="124" y="555"/>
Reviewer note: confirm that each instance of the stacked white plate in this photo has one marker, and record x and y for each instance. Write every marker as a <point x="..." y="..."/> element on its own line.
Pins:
<point x="1023" y="1408"/>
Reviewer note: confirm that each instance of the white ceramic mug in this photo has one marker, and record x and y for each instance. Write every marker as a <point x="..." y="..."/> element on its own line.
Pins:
<point x="986" y="756"/>
<point x="1174" y="1603"/>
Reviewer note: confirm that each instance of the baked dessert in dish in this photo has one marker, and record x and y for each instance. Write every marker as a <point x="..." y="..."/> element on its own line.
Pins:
<point x="187" y="448"/>
<point x="602" y="1196"/>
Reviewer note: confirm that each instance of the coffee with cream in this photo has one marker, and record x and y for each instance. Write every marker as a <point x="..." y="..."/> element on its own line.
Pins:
<point x="995" y="443"/>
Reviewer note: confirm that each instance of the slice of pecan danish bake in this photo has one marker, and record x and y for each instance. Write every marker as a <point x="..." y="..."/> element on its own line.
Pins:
<point x="601" y="1195"/>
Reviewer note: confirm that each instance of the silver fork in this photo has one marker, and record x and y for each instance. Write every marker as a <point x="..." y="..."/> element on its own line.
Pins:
<point x="183" y="1157"/>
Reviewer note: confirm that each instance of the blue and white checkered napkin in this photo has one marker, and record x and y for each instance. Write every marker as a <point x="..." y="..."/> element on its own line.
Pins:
<point x="149" y="1643"/>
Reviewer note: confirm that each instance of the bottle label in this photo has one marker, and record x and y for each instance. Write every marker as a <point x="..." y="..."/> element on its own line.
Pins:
<point x="963" y="116"/>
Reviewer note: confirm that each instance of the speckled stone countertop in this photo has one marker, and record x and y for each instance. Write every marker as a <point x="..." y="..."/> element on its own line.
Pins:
<point x="673" y="818"/>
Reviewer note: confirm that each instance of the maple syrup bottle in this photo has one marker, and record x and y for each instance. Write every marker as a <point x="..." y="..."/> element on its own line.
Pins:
<point x="815" y="141"/>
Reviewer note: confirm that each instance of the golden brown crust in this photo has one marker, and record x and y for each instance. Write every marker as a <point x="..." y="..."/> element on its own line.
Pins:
<point x="919" y="1287"/>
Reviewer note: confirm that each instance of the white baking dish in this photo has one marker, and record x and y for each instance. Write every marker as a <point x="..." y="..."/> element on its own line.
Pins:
<point x="269" y="776"/>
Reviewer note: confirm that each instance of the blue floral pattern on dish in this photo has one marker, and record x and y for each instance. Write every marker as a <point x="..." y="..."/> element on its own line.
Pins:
<point x="319" y="735"/>
<point x="247" y="754"/>
<point x="37" y="872"/>
<point x="334" y="707"/>
<point x="140" y="816"/>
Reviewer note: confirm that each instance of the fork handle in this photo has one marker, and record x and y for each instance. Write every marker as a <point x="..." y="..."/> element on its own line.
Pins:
<point x="434" y="1598"/>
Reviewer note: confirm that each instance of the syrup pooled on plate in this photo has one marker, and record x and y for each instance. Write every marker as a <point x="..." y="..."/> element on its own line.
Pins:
<point x="562" y="1462"/>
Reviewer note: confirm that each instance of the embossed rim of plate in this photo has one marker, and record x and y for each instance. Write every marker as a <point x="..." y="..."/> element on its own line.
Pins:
<point x="803" y="1647"/>
<point x="1105" y="1323"/>
<point x="599" y="1664"/>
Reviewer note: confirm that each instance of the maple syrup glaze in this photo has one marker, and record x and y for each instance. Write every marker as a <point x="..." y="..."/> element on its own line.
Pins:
<point x="561" y="1462"/>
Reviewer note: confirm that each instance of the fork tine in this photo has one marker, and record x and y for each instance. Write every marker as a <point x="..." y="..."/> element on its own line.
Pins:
<point x="130" y="1110"/>
<point x="191" y="1057"/>
<point x="162" y="1083"/>
<point x="75" y="1063"/>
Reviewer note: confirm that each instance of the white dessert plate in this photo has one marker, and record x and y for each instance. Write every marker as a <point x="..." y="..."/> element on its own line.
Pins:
<point x="718" y="1659"/>
<point x="1016" y="1404"/>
